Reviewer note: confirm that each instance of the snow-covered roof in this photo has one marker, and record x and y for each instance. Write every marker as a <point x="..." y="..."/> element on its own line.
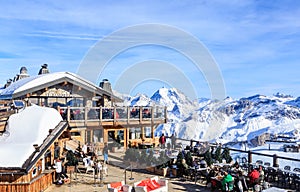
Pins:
<point x="24" y="129"/>
<point x="34" y="83"/>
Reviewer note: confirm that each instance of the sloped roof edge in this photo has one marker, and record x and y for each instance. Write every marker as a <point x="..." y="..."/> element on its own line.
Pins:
<point x="20" y="87"/>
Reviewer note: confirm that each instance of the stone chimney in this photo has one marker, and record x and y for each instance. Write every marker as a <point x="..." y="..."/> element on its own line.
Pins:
<point x="105" y="85"/>
<point x="36" y="147"/>
<point x="8" y="82"/>
<point x="23" y="74"/>
<point x="44" y="69"/>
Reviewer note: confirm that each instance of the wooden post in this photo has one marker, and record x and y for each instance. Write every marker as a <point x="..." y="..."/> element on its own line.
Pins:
<point x="141" y="114"/>
<point x="275" y="161"/>
<point x="115" y="115"/>
<point x="152" y="133"/>
<point x="68" y="114"/>
<point x="46" y="102"/>
<point x="105" y="135"/>
<point x="92" y="136"/>
<point x="249" y="157"/>
<point x="85" y="115"/>
<point x="85" y="136"/>
<point x="100" y="114"/>
<point x="142" y="132"/>
<point x="165" y="114"/>
<point x="152" y="124"/>
<point x="125" y="139"/>
<point x="128" y="114"/>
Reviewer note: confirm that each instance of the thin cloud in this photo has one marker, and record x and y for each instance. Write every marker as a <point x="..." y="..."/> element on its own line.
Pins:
<point x="63" y="36"/>
<point x="242" y="36"/>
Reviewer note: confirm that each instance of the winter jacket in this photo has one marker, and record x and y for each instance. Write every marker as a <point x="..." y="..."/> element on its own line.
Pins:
<point x="253" y="176"/>
<point x="226" y="181"/>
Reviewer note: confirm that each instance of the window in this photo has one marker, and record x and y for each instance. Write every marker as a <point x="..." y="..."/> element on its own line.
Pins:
<point x="34" y="172"/>
<point x="98" y="135"/>
<point x="134" y="133"/>
<point x="75" y="133"/>
<point x="56" y="152"/>
<point x="147" y="132"/>
<point x="47" y="157"/>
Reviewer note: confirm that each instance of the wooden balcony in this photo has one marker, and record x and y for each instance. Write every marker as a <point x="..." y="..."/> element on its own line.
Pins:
<point x="113" y="116"/>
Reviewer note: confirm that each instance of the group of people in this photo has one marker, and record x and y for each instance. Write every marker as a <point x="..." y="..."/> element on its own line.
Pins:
<point x="163" y="141"/>
<point x="89" y="159"/>
<point x="236" y="179"/>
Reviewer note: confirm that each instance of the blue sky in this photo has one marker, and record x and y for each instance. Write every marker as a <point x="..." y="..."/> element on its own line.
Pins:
<point x="254" y="43"/>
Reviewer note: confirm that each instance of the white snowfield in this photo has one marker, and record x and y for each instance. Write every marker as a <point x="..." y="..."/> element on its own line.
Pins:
<point x="24" y="129"/>
<point x="228" y="120"/>
<point x="224" y="120"/>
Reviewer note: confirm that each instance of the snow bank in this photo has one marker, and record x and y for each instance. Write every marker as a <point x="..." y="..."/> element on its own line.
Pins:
<point x="28" y="127"/>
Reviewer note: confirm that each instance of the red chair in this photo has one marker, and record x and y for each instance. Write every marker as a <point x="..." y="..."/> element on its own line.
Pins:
<point x="118" y="187"/>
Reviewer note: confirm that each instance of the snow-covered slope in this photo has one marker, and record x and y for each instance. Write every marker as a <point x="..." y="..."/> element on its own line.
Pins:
<point x="228" y="120"/>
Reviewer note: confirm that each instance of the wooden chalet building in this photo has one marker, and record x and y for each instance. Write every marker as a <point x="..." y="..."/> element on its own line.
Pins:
<point x="94" y="114"/>
<point x="28" y="144"/>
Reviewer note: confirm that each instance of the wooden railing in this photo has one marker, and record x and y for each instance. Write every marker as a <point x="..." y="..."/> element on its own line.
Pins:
<point x="249" y="154"/>
<point x="113" y="114"/>
<point x="5" y="112"/>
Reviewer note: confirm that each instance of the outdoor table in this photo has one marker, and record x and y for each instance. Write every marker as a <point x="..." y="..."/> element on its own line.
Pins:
<point x="274" y="189"/>
<point x="145" y="145"/>
<point x="196" y="171"/>
<point x="222" y="164"/>
<point x="216" y="182"/>
<point x="172" y="156"/>
<point x="290" y="172"/>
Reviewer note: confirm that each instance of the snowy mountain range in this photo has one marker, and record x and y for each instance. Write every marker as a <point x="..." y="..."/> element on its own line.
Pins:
<point x="227" y="120"/>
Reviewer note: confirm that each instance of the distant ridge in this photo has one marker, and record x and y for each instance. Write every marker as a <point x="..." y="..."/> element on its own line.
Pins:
<point x="227" y="120"/>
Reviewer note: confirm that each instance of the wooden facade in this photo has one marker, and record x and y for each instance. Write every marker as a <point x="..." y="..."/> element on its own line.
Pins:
<point x="89" y="115"/>
<point x="38" y="184"/>
<point x="36" y="174"/>
<point x="92" y="113"/>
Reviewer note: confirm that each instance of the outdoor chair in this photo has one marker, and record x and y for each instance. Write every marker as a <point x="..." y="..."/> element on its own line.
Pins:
<point x="295" y="178"/>
<point x="294" y="181"/>
<point x="287" y="168"/>
<point x="118" y="186"/>
<point x="90" y="169"/>
<point x="296" y="170"/>
<point x="281" y="178"/>
<point x="297" y="182"/>
<point x="271" y="174"/>
<point x="153" y="184"/>
<point x="259" y="162"/>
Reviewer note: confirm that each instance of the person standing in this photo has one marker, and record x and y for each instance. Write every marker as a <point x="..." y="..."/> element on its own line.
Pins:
<point x="227" y="182"/>
<point x="173" y="141"/>
<point x="105" y="153"/>
<point x="58" y="170"/>
<point x="162" y="141"/>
